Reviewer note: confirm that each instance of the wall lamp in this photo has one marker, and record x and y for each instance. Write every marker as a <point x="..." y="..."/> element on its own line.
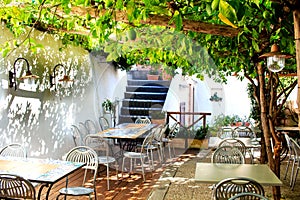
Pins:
<point x="64" y="81"/>
<point x="29" y="77"/>
<point x="275" y="59"/>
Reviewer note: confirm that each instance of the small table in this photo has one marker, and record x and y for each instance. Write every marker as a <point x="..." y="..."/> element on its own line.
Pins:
<point x="214" y="172"/>
<point x="128" y="134"/>
<point x="44" y="171"/>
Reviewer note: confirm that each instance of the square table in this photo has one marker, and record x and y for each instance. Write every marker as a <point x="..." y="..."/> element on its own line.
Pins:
<point x="44" y="171"/>
<point x="215" y="172"/>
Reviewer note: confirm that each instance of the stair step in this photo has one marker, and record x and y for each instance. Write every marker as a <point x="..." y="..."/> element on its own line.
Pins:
<point x="144" y="103"/>
<point x="146" y="95"/>
<point x="130" y="118"/>
<point x="146" y="88"/>
<point x="141" y="111"/>
<point x="165" y="83"/>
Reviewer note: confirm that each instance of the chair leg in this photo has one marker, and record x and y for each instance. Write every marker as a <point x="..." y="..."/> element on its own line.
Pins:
<point x="123" y="166"/>
<point x="295" y="178"/>
<point x="107" y="175"/>
<point x="143" y="171"/>
<point x="287" y="168"/>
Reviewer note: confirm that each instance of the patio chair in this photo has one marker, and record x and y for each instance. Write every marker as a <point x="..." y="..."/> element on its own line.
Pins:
<point x="16" y="187"/>
<point x="295" y="165"/>
<point x="230" y="187"/>
<point x="290" y="155"/>
<point x="86" y="155"/>
<point x="238" y="144"/>
<point x="225" y="132"/>
<point x="104" y="151"/>
<point x="228" y="154"/>
<point x="243" y="131"/>
<point x="167" y="140"/>
<point x="145" y="120"/>
<point x="91" y="126"/>
<point x="77" y="136"/>
<point x="248" y="196"/>
<point x="103" y="123"/>
<point x="14" y="150"/>
<point x="145" y="152"/>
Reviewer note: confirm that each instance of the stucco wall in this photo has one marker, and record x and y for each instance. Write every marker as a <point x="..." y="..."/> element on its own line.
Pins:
<point x="39" y="117"/>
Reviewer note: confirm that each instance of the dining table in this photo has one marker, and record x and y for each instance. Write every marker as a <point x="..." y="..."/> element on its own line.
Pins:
<point x="45" y="172"/>
<point x="213" y="173"/>
<point x="128" y="134"/>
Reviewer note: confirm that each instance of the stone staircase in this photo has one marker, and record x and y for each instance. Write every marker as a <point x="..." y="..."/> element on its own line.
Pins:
<point x="143" y="98"/>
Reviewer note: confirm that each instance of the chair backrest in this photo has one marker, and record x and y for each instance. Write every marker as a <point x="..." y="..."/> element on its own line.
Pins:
<point x="157" y="132"/>
<point x="248" y="196"/>
<point x="243" y="131"/>
<point x="145" y="120"/>
<point x="228" y="154"/>
<point x="295" y="148"/>
<point x="83" y="129"/>
<point x="14" y="150"/>
<point x="234" y="143"/>
<point x="173" y="130"/>
<point x="16" y="187"/>
<point x="84" y="154"/>
<point x="225" y="132"/>
<point x="103" y="123"/>
<point x="91" y="126"/>
<point x="288" y="142"/>
<point x="147" y="141"/>
<point x="77" y="137"/>
<point x="230" y="187"/>
<point x="99" y="144"/>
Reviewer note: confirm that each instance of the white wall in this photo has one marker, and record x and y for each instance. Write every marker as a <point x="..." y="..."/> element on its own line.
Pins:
<point x="40" y="118"/>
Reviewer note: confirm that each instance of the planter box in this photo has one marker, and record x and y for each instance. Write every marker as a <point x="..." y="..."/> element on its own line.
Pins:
<point x="152" y="77"/>
<point x="191" y="143"/>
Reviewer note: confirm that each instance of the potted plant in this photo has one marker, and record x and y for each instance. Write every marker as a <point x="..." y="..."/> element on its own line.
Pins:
<point x="107" y="106"/>
<point x="153" y="74"/>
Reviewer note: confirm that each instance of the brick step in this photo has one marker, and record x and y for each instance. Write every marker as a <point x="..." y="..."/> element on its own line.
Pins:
<point x="140" y="111"/>
<point x="130" y="118"/>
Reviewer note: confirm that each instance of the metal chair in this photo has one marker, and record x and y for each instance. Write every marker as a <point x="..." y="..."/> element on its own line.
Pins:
<point x="16" y="187"/>
<point x="225" y="132"/>
<point x="77" y="136"/>
<point x="14" y="150"/>
<point x="230" y="187"/>
<point x="104" y="151"/>
<point x="238" y="144"/>
<point x="145" y="120"/>
<point x="228" y="154"/>
<point x="243" y="131"/>
<point x="103" y="123"/>
<point x="91" y="126"/>
<point x="168" y="139"/>
<point x="248" y="196"/>
<point x="290" y="155"/>
<point x="86" y="155"/>
<point x="144" y="153"/>
<point x="296" y="154"/>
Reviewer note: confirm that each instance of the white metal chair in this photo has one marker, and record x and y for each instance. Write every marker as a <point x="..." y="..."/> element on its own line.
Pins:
<point x="243" y="131"/>
<point x="145" y="120"/>
<point x="235" y="142"/>
<point x="82" y="154"/>
<point x="248" y="196"/>
<point x="16" y="187"/>
<point x="91" y="126"/>
<point x="104" y="151"/>
<point x="158" y="139"/>
<point x="228" y="154"/>
<point x="14" y="150"/>
<point x="103" y="123"/>
<point x="167" y="140"/>
<point x="77" y="136"/>
<point x="145" y="152"/>
<point x="230" y="187"/>
<point x="225" y="132"/>
<point x="295" y="165"/>
<point x="290" y="155"/>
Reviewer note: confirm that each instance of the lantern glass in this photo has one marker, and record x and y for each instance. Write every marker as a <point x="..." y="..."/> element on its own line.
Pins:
<point x="275" y="63"/>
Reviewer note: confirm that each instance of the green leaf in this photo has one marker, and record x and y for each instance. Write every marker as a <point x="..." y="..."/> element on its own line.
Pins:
<point x="208" y="9"/>
<point x="215" y="4"/>
<point x="228" y="12"/>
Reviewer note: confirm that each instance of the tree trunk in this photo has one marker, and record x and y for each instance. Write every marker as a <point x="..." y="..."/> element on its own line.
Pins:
<point x="267" y="125"/>
<point x="296" y="15"/>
